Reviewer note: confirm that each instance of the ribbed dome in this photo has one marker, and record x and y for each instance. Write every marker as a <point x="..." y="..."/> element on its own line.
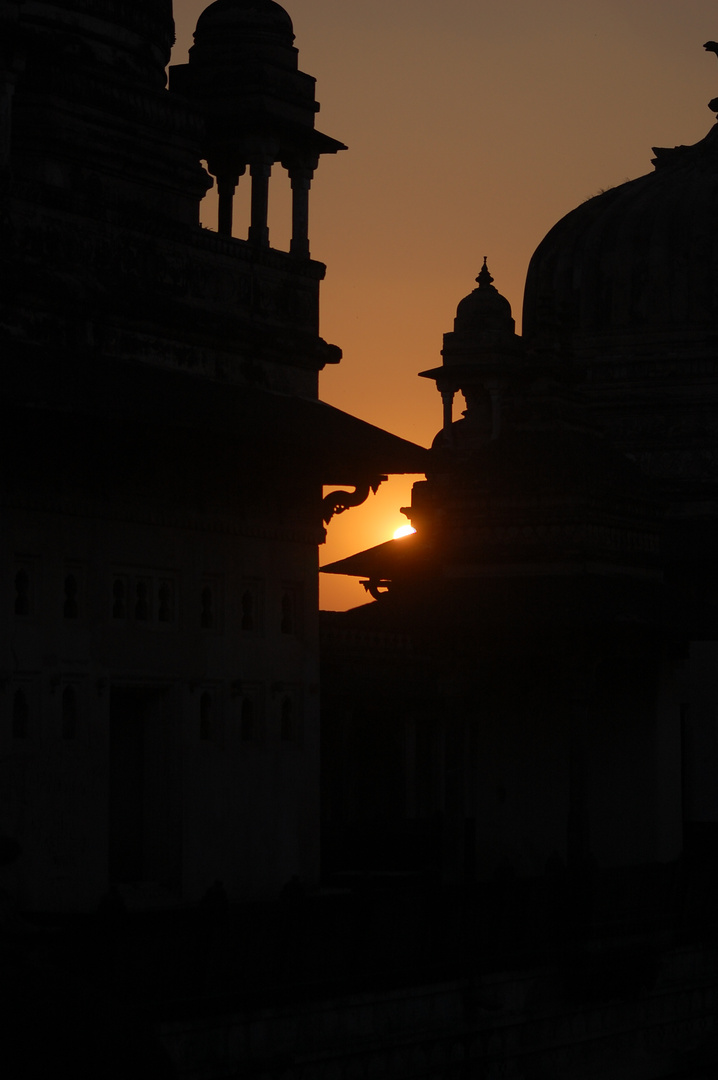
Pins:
<point x="241" y="19"/>
<point x="639" y="258"/>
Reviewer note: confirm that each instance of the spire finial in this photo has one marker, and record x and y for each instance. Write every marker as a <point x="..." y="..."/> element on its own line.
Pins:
<point x="484" y="279"/>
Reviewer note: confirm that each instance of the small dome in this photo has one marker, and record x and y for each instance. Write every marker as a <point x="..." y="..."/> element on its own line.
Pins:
<point x="484" y="311"/>
<point x="246" y="18"/>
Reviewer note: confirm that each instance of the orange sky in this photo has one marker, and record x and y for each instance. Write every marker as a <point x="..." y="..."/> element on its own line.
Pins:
<point x="472" y="127"/>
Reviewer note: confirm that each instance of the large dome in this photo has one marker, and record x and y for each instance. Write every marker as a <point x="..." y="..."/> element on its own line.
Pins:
<point x="641" y="258"/>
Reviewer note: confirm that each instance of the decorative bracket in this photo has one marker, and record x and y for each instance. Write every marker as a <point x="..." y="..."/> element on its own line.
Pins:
<point x="374" y="585"/>
<point x="339" y="501"/>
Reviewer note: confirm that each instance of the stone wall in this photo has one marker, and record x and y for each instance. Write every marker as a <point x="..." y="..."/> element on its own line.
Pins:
<point x="528" y="1024"/>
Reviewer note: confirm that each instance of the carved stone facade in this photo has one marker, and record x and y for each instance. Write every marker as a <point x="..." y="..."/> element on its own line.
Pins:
<point x="163" y="457"/>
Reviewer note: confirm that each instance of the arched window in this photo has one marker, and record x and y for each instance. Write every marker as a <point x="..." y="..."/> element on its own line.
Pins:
<point x="205" y="717"/>
<point x="68" y="721"/>
<point x="20" y="715"/>
<point x="70" y="608"/>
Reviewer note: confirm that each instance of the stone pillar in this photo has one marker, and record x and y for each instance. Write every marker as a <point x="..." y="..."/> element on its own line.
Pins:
<point x="447" y="397"/>
<point x="259" y="229"/>
<point x="496" y="392"/>
<point x="301" y="180"/>
<point x="226" y="187"/>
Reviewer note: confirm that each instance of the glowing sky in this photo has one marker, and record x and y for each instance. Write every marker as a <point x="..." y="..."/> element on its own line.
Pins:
<point x="472" y="127"/>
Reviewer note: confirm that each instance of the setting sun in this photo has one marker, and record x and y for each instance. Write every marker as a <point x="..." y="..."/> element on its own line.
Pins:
<point x="404" y="530"/>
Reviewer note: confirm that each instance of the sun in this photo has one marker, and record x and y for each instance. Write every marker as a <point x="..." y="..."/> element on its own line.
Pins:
<point x="404" y="530"/>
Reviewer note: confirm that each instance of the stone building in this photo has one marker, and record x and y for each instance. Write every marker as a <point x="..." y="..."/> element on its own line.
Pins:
<point x="518" y="736"/>
<point x="554" y="705"/>
<point x="158" y="595"/>
<point x="520" y="729"/>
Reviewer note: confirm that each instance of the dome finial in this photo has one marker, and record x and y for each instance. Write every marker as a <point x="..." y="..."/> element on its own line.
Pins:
<point x="484" y="279"/>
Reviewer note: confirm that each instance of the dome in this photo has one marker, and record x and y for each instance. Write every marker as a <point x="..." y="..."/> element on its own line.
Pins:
<point x="640" y="258"/>
<point x="484" y="311"/>
<point x="246" y="18"/>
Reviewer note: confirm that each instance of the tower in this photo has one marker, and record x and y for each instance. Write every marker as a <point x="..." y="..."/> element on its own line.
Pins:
<point x="164" y="451"/>
<point x="258" y="108"/>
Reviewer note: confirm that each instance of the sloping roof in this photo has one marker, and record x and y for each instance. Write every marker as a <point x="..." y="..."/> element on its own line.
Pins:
<point x="281" y="429"/>
<point x="382" y="561"/>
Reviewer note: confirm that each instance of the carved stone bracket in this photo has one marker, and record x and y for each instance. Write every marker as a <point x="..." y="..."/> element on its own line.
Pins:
<point x="339" y="501"/>
<point x="376" y="587"/>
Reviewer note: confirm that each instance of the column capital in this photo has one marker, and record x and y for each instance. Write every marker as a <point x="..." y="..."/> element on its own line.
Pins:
<point x="301" y="169"/>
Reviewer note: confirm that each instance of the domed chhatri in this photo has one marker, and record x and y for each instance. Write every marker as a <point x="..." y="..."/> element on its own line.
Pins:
<point x="484" y="333"/>
<point x="259" y="110"/>
<point x="482" y="348"/>
<point x="484" y="311"/>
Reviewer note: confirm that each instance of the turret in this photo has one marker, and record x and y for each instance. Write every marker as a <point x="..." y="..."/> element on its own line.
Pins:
<point x="480" y="357"/>
<point x="258" y="109"/>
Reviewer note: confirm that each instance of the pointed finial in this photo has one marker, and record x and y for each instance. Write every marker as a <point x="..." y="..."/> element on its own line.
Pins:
<point x="484" y="279"/>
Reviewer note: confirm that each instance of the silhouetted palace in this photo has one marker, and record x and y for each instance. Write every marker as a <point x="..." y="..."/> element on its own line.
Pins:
<point x="517" y="792"/>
